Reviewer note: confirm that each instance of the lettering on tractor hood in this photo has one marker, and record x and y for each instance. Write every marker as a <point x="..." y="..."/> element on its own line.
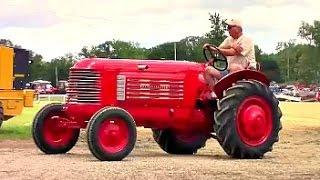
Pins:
<point x="142" y="88"/>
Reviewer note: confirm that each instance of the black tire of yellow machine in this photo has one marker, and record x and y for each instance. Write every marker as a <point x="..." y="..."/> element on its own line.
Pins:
<point x="1" y="115"/>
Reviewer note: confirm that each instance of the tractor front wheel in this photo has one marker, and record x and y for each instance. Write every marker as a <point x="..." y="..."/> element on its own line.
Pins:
<point x="178" y="143"/>
<point x="48" y="135"/>
<point x="247" y="122"/>
<point x="111" y="134"/>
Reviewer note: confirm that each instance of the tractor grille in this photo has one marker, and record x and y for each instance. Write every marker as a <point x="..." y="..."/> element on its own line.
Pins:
<point x="83" y="86"/>
<point x="137" y="88"/>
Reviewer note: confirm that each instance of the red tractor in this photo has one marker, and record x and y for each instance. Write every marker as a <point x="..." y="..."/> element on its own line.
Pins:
<point x="111" y="97"/>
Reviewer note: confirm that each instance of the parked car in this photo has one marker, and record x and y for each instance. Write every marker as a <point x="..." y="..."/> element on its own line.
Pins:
<point x="291" y="90"/>
<point x="318" y="95"/>
<point x="61" y="87"/>
<point x="274" y="87"/>
<point x="42" y="87"/>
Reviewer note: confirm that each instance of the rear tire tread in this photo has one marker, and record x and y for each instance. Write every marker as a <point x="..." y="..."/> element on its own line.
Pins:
<point x="225" y="127"/>
<point x="169" y="143"/>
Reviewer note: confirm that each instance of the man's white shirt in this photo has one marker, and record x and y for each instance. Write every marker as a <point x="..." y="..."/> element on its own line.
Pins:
<point x="247" y="56"/>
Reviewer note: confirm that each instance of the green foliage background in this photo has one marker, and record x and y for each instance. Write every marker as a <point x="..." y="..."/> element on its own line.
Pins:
<point x="291" y="63"/>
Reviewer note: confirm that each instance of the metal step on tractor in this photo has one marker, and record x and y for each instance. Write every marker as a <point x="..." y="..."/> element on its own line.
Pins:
<point x="111" y="97"/>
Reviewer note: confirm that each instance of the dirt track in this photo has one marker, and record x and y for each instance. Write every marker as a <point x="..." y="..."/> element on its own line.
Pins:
<point x="296" y="156"/>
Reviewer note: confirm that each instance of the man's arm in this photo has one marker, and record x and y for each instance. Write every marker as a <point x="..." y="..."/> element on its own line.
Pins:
<point x="225" y="49"/>
<point x="230" y="49"/>
<point x="229" y="52"/>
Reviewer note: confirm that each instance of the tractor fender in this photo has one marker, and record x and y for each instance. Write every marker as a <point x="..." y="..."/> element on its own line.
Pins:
<point x="227" y="81"/>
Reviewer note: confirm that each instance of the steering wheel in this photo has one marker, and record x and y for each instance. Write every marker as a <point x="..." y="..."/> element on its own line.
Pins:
<point x="219" y="60"/>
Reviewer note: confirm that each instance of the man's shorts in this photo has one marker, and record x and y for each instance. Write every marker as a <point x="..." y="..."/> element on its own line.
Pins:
<point x="224" y="73"/>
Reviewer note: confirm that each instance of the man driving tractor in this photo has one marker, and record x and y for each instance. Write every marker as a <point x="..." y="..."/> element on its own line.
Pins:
<point x="111" y="97"/>
<point x="239" y="50"/>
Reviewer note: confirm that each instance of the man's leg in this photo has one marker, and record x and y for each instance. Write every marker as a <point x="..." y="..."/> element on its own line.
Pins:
<point x="235" y="67"/>
<point x="211" y="75"/>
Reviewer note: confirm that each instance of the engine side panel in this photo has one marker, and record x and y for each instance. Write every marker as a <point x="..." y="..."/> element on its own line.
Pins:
<point x="154" y="96"/>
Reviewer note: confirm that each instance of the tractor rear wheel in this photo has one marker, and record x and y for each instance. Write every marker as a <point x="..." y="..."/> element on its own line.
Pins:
<point x="111" y="134"/>
<point x="177" y="143"/>
<point x="247" y="122"/>
<point x="48" y="135"/>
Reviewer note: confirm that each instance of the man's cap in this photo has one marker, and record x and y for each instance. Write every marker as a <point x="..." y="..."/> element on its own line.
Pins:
<point x="234" y="22"/>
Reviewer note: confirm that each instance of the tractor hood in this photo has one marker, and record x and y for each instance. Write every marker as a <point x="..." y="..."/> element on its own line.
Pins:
<point x="134" y="65"/>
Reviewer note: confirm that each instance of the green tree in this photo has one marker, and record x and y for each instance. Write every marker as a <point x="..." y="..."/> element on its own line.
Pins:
<point x="285" y="58"/>
<point x="122" y="49"/>
<point x="162" y="51"/>
<point x="36" y="68"/>
<point x="85" y="52"/>
<point x="258" y="53"/>
<point x="6" y="42"/>
<point x="190" y="48"/>
<point x="115" y="49"/>
<point x="62" y="64"/>
<point x="271" y="69"/>
<point x="268" y="65"/>
<point x="310" y="32"/>
<point x="298" y="62"/>
<point x="103" y="50"/>
<point x="307" y="64"/>
<point x="218" y="28"/>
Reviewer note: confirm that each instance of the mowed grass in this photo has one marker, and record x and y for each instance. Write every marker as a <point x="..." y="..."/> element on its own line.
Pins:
<point x="19" y="127"/>
<point x="294" y="115"/>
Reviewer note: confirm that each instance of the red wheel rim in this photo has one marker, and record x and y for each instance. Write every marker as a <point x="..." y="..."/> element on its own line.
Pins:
<point x="113" y="135"/>
<point x="254" y="121"/>
<point x="55" y="135"/>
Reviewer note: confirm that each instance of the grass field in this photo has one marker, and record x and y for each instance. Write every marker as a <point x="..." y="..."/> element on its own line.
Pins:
<point x="294" y="114"/>
<point x="300" y="114"/>
<point x="19" y="127"/>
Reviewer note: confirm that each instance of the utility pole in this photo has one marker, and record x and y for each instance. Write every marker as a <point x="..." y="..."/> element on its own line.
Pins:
<point x="175" y="51"/>
<point x="56" y="73"/>
<point x="288" y="71"/>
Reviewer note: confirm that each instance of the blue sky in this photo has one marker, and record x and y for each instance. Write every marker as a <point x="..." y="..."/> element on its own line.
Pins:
<point x="53" y="28"/>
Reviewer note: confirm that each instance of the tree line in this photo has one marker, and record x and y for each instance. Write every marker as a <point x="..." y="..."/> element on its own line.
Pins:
<point x="292" y="62"/>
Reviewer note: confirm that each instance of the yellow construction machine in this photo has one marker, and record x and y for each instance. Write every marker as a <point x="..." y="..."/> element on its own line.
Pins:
<point x="14" y="73"/>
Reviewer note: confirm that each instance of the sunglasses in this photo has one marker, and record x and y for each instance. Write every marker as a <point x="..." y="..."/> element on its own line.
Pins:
<point x="229" y="27"/>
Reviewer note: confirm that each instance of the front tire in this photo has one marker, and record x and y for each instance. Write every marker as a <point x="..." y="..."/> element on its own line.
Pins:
<point x="49" y="137"/>
<point x="247" y="122"/>
<point x="111" y="134"/>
